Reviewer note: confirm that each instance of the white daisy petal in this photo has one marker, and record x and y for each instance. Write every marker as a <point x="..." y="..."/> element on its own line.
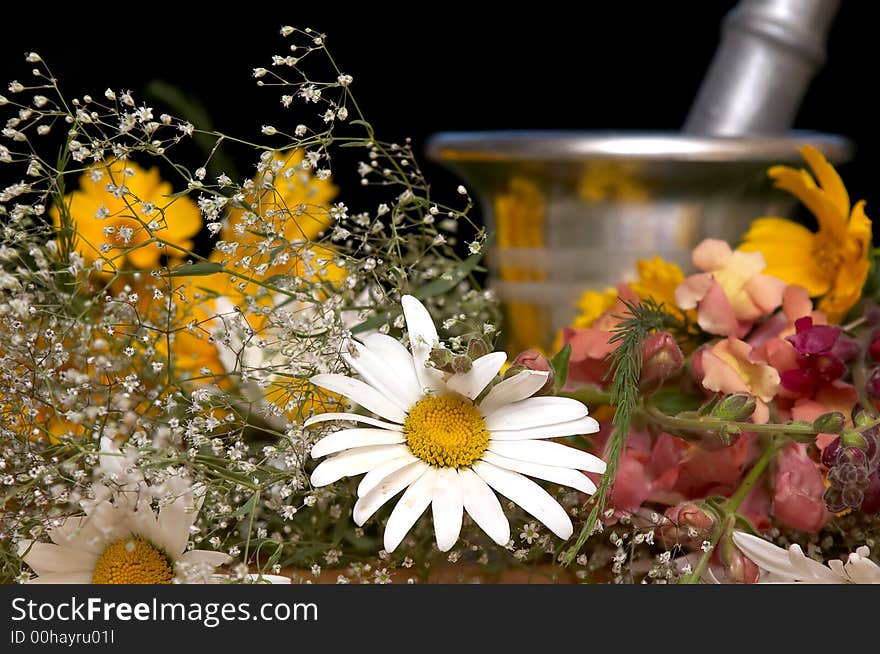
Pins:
<point x="483" y="370"/>
<point x="78" y="533"/>
<point x="387" y="488"/>
<point x="527" y="494"/>
<point x="195" y="557"/>
<point x="862" y="570"/>
<point x="807" y="569"/>
<point x="565" y="476"/>
<point x="354" y="462"/>
<point x="778" y="561"/>
<point x="586" y="425"/>
<point x="411" y="506"/>
<point x="378" y="374"/>
<point x="175" y="519"/>
<point x="377" y="474"/>
<point x="349" y="438"/>
<point x="447" y="506"/>
<point x="350" y="417"/>
<point x="422" y="338"/>
<point x="536" y="412"/>
<point x="395" y="355"/>
<point x="361" y="393"/>
<point x="549" y="454"/>
<point x="45" y="558"/>
<point x="519" y="387"/>
<point x="483" y="506"/>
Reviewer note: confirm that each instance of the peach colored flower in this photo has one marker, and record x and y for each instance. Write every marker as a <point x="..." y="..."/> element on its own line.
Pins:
<point x="731" y="293"/>
<point x="733" y="366"/>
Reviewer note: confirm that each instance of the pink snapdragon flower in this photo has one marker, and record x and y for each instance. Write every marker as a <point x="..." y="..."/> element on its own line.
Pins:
<point x="733" y="366"/>
<point x="732" y="293"/>
<point x="798" y="490"/>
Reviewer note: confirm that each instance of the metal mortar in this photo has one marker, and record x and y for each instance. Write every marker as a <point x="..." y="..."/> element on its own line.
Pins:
<point x="576" y="210"/>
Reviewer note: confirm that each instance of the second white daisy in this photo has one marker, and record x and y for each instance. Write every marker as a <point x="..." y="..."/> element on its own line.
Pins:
<point x="435" y="442"/>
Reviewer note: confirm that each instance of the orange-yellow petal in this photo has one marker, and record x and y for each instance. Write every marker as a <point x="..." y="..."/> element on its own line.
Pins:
<point x="801" y="184"/>
<point x="788" y="252"/>
<point x="828" y="179"/>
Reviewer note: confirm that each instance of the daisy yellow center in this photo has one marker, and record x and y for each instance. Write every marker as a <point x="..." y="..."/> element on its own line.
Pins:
<point x="132" y="560"/>
<point x="446" y="432"/>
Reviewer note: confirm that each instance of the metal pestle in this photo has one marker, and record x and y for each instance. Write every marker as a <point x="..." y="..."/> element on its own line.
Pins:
<point x="770" y="51"/>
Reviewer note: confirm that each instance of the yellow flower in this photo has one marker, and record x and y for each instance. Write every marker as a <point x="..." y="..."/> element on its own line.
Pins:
<point x="592" y="305"/>
<point x="122" y="220"/>
<point x="658" y="280"/>
<point x="287" y="201"/>
<point x="831" y="264"/>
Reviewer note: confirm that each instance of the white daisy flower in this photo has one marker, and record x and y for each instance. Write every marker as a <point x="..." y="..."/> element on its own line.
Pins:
<point x="793" y="566"/>
<point x="121" y="539"/>
<point x="436" y="442"/>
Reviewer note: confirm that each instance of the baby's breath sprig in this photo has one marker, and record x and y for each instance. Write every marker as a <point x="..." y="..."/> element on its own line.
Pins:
<point x="113" y="324"/>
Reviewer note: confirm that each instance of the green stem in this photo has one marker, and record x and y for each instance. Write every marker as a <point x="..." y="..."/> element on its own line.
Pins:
<point x="731" y="507"/>
<point x="713" y="424"/>
<point x="860" y="381"/>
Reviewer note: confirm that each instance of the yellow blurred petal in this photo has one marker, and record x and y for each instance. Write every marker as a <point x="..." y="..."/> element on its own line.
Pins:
<point x="658" y="279"/>
<point x="859" y="227"/>
<point x="788" y="252"/>
<point x="828" y="179"/>
<point x="593" y="304"/>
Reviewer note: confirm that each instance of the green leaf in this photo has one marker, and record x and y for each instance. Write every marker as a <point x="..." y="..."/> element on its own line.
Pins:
<point x="247" y="507"/>
<point x="199" y="269"/>
<point x="672" y="402"/>
<point x="372" y="323"/>
<point x="440" y="285"/>
<point x="559" y="363"/>
<point x="744" y="524"/>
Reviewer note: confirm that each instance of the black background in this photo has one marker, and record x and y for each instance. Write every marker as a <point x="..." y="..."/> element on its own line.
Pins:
<point x="420" y="68"/>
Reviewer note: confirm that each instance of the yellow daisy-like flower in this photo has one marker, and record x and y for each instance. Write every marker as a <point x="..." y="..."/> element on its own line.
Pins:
<point x="116" y="207"/>
<point x="657" y="280"/>
<point x="592" y="304"/>
<point x="832" y="263"/>
<point x="287" y="200"/>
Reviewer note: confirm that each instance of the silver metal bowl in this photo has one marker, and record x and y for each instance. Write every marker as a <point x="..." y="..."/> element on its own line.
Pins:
<point x="577" y="210"/>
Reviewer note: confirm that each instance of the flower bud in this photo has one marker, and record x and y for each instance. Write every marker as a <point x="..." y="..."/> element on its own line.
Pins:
<point x="739" y="568"/>
<point x="461" y="363"/>
<point x="532" y="360"/>
<point x="687" y="524"/>
<point x="852" y="438"/>
<point x="476" y="348"/>
<point x="735" y="408"/>
<point x="661" y="358"/>
<point x="871" y="501"/>
<point x="441" y="358"/>
<point x="830" y="423"/>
